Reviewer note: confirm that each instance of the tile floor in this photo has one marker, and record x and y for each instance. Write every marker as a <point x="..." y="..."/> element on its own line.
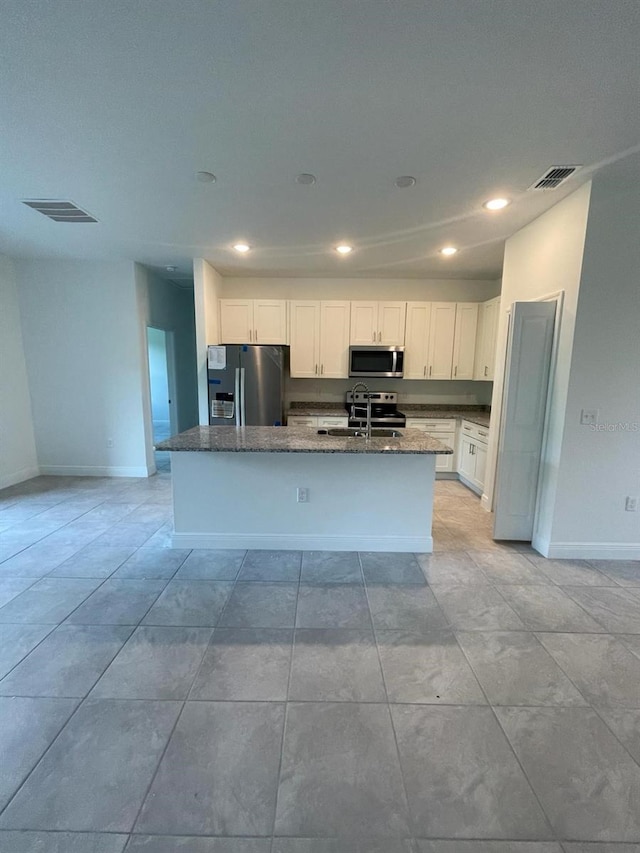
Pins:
<point x="478" y="700"/>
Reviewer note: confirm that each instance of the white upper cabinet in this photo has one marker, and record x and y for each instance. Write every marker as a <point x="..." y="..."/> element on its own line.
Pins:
<point x="442" y="328"/>
<point x="319" y="339"/>
<point x="380" y="323"/>
<point x="253" y="321"/>
<point x="416" y="354"/>
<point x="489" y="313"/>
<point x="464" y="343"/>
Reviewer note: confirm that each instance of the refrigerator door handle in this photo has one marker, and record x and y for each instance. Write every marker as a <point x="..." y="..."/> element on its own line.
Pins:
<point x="243" y="415"/>
<point x="237" y="396"/>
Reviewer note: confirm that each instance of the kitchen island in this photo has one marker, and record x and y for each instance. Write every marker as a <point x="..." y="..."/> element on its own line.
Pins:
<point x="238" y="488"/>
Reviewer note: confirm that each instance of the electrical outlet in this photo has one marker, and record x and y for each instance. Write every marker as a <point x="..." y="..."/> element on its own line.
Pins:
<point x="109" y="442"/>
<point x="303" y="496"/>
<point x="589" y="417"/>
<point x="631" y="504"/>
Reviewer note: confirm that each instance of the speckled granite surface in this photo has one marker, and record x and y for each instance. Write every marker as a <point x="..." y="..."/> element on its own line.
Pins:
<point x="230" y="439"/>
<point x="476" y="414"/>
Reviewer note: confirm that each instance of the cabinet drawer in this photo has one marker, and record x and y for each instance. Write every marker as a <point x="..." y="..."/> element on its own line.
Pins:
<point x="302" y="420"/>
<point x="333" y="422"/>
<point x="477" y="433"/>
<point x="431" y="425"/>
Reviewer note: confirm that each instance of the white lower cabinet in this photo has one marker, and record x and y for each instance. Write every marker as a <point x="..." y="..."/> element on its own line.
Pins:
<point x="444" y="429"/>
<point x="472" y="455"/>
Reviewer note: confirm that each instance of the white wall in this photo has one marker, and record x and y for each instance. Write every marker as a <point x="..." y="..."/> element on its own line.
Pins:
<point x="85" y="364"/>
<point x="599" y="468"/>
<point x="540" y="259"/>
<point x="17" y="444"/>
<point x="207" y="289"/>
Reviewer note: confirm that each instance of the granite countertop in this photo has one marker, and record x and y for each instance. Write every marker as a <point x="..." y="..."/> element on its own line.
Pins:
<point x="229" y="439"/>
<point x="476" y="414"/>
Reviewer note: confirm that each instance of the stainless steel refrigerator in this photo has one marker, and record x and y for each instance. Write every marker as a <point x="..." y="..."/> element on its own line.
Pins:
<point x="246" y="385"/>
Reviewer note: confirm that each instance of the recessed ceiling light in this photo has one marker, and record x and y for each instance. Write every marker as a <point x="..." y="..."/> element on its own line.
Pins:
<point x="405" y="181"/>
<point x="344" y="249"/>
<point x="448" y="250"/>
<point x="496" y="203"/>
<point x="306" y="179"/>
<point x="171" y="269"/>
<point x="206" y="177"/>
<point x="241" y="247"/>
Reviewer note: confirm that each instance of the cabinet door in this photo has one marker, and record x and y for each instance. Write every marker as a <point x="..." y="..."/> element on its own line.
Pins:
<point x="492" y="313"/>
<point x="391" y="323"/>
<point x="416" y="353"/>
<point x="364" y="323"/>
<point x="464" y="343"/>
<point x="466" y="460"/>
<point x="334" y="339"/>
<point x="305" y="339"/>
<point x="479" y="365"/>
<point x="236" y="321"/>
<point x="270" y="321"/>
<point x="480" y="465"/>
<point x="441" y="335"/>
<point x="446" y="463"/>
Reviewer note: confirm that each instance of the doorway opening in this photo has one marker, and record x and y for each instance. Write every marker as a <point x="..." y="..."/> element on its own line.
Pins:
<point x="160" y="350"/>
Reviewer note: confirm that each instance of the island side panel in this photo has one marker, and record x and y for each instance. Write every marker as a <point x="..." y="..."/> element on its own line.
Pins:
<point x="367" y="502"/>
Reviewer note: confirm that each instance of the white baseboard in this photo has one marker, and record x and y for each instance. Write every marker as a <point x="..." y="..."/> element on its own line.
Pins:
<point x="301" y="542"/>
<point x="19" y="476"/>
<point x="588" y="550"/>
<point x="97" y="470"/>
<point x="485" y="503"/>
<point x="470" y="485"/>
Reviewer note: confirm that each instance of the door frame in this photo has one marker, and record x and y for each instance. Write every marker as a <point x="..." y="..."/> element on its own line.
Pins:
<point x="170" y="352"/>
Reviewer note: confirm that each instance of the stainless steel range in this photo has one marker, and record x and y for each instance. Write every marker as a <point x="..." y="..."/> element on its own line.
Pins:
<point x="384" y="410"/>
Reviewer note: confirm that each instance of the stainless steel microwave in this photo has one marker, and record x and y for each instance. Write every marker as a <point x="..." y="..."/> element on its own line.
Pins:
<point x="387" y="362"/>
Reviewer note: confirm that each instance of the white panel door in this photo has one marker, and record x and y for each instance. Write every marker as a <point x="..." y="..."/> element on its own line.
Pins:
<point x="270" y="321"/>
<point x="416" y="342"/>
<point x="236" y="321"/>
<point x="391" y="322"/>
<point x="464" y="342"/>
<point x="364" y="323"/>
<point x="334" y="339"/>
<point x="441" y="335"/>
<point x="523" y="412"/>
<point x="305" y="339"/>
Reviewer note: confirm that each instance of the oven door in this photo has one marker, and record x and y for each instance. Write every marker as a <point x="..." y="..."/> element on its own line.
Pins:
<point x="386" y="362"/>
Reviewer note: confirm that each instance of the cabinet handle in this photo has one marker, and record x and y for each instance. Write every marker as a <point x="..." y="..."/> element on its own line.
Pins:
<point x="430" y="370"/>
<point x="485" y="370"/>
<point x="424" y="372"/>
<point x="316" y="370"/>
<point x="322" y="368"/>
<point x="483" y="434"/>
<point x="255" y="336"/>
<point x="379" y="337"/>
<point x="455" y="370"/>
<point x="250" y="338"/>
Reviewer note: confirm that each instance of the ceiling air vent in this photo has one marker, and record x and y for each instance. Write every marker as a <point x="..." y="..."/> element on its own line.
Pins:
<point x="60" y="211"/>
<point x="553" y="177"/>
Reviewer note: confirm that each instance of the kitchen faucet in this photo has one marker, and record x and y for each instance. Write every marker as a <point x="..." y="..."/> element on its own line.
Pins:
<point x="368" y="399"/>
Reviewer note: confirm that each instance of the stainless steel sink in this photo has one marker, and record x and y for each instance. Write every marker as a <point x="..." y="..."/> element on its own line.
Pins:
<point x="351" y="432"/>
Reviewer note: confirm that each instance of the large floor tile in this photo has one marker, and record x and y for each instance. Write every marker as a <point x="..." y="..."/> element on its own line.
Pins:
<point x="601" y="667"/>
<point x="15" y="841"/>
<point x="585" y="780"/>
<point x="332" y="606"/>
<point x="16" y="641"/>
<point x="149" y="563"/>
<point x="624" y="572"/>
<point x="514" y="669"/>
<point x="125" y="533"/>
<point x="451" y="568"/>
<point x="505" y="567"/>
<point x="67" y="663"/>
<point x="342" y="845"/>
<point x="614" y="608"/>
<point x="36" y="560"/>
<point x="219" y="775"/>
<point x="194" y="844"/>
<point x="335" y="665"/>
<point x="264" y="605"/>
<point x="547" y="608"/>
<point x="340" y="773"/>
<point x="118" y="602"/>
<point x="625" y="724"/>
<point x="28" y="727"/>
<point x="207" y="565"/>
<point x="49" y="600"/>
<point x="427" y="668"/>
<point x="330" y="567"/>
<point x="570" y="572"/>
<point x="93" y="561"/>
<point x="404" y="607"/>
<point x="107" y="755"/>
<point x="271" y="566"/>
<point x="380" y="567"/>
<point x="246" y="664"/>
<point x="196" y="603"/>
<point x="476" y="608"/>
<point x="632" y="642"/>
<point x="11" y="587"/>
<point x="462" y="778"/>
<point x="489" y="847"/>
<point x="156" y="663"/>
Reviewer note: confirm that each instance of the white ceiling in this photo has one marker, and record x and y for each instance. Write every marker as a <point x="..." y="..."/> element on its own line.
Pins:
<point x="115" y="105"/>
